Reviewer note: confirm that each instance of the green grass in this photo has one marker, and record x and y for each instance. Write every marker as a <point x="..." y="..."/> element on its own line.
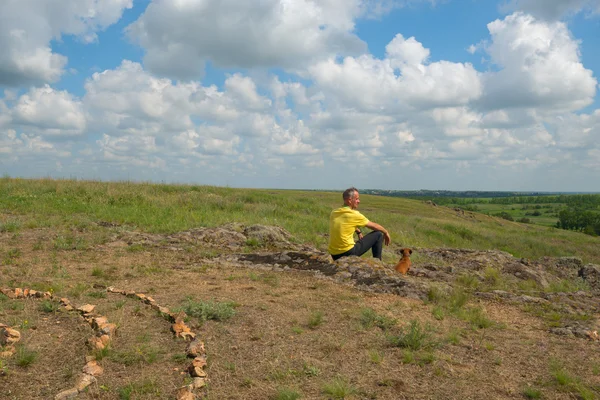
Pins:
<point x="315" y="319"/>
<point x="286" y="394"/>
<point x="25" y="357"/>
<point x="532" y="392"/>
<point x="369" y="318"/>
<point x="159" y="208"/>
<point x="143" y="388"/>
<point x="209" y="310"/>
<point x="413" y="337"/>
<point x="338" y="388"/>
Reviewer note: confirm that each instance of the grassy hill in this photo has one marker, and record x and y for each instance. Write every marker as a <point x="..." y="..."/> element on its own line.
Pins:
<point x="71" y="205"/>
<point x="279" y="333"/>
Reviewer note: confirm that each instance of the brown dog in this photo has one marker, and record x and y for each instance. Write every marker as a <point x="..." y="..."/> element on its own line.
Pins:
<point x="404" y="264"/>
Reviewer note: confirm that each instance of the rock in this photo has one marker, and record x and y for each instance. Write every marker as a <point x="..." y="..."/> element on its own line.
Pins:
<point x="67" y="394"/>
<point x="9" y="336"/>
<point x="108" y="329"/>
<point x="84" y="381"/>
<point x="185" y="393"/>
<point x="564" y="267"/>
<point x="87" y="308"/>
<point x="198" y="383"/>
<point x="97" y="322"/>
<point x="591" y="274"/>
<point x="99" y="342"/>
<point x="92" y="368"/>
<point x="195" y="349"/>
<point x="8" y="351"/>
<point x="196" y="368"/>
<point x="181" y="330"/>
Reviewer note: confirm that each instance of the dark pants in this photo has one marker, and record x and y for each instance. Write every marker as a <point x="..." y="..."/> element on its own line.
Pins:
<point x="373" y="240"/>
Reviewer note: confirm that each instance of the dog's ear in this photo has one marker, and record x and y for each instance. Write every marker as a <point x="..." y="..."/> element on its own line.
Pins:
<point x="410" y="251"/>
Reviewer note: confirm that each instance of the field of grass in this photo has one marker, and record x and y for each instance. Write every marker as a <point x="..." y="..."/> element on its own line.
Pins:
<point x="272" y="334"/>
<point x="71" y="205"/>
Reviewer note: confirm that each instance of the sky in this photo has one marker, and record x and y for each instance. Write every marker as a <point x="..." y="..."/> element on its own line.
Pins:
<point x="304" y="94"/>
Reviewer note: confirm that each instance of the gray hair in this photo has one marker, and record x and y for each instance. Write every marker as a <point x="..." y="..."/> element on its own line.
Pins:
<point x="349" y="193"/>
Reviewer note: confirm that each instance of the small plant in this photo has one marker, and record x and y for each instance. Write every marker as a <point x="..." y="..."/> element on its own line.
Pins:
<point x="146" y="387"/>
<point x="369" y="318"/>
<point x="568" y="286"/>
<point x="25" y="357"/>
<point x="310" y="370"/>
<point x="468" y="281"/>
<point x="476" y="316"/>
<point x="375" y="356"/>
<point x="10" y="226"/>
<point x="48" y="306"/>
<point x="142" y="354"/>
<point x="315" y="319"/>
<point x="209" y="310"/>
<point x="413" y="337"/>
<point x="99" y="272"/>
<point x="532" y="393"/>
<point x="97" y="294"/>
<point x="286" y="394"/>
<point x="69" y="242"/>
<point x="339" y="388"/>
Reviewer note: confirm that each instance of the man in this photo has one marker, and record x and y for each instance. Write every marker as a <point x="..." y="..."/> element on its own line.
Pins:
<point x="344" y="221"/>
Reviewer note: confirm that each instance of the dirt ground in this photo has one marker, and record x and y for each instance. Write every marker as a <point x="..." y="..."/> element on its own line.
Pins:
<point x="291" y="330"/>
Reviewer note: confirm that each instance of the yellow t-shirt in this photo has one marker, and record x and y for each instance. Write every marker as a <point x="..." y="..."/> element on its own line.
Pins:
<point x="342" y="224"/>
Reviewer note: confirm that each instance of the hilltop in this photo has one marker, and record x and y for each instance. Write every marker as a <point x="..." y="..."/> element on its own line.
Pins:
<point x="490" y="309"/>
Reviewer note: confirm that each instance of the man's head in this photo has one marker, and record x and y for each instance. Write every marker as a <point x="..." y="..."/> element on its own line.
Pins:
<point x="351" y="198"/>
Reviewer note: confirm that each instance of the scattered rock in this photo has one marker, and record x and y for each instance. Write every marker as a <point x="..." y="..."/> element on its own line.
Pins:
<point x="9" y="336"/>
<point x="87" y="308"/>
<point x="92" y="368"/>
<point x="195" y="348"/>
<point x="67" y="394"/>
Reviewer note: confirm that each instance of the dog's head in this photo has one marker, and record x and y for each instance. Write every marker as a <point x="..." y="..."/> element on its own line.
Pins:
<point x="406" y="252"/>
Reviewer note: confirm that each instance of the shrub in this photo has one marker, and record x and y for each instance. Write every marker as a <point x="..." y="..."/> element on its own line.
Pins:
<point x="369" y="318"/>
<point x="413" y="337"/>
<point x="209" y="310"/>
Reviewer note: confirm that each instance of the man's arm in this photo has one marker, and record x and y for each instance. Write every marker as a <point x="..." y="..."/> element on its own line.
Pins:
<point x="376" y="227"/>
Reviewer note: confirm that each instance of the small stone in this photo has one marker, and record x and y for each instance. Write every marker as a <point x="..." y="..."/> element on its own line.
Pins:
<point x="195" y="349"/>
<point x="87" y="308"/>
<point x="184" y="393"/>
<point x="97" y="322"/>
<point x="108" y="329"/>
<point x="181" y="330"/>
<point x="92" y="368"/>
<point x="8" y="352"/>
<point x="140" y="296"/>
<point x="84" y="381"/>
<point x="149" y="300"/>
<point x="9" y="336"/>
<point x="89" y="358"/>
<point x="69" y="307"/>
<point x="64" y="301"/>
<point x="130" y="293"/>
<point x="67" y="394"/>
<point x="196" y="368"/>
<point x="19" y="293"/>
<point x="198" y="383"/>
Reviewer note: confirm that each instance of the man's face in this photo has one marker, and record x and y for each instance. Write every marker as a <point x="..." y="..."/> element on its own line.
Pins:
<point x="354" y="201"/>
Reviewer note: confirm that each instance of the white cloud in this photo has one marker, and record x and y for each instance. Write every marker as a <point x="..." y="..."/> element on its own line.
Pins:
<point x="180" y="36"/>
<point x="28" y="26"/>
<point x="539" y="65"/>
<point x="400" y="82"/>
<point x="552" y="9"/>
<point x="50" y="113"/>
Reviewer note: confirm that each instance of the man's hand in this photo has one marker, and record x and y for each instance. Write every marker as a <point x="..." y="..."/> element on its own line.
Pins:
<point x="359" y="234"/>
<point x="386" y="238"/>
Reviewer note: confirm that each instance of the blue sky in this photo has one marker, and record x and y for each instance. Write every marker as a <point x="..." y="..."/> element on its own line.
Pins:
<point x="393" y="94"/>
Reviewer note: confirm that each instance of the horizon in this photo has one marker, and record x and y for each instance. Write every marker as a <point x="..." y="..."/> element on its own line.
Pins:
<point x="304" y="93"/>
